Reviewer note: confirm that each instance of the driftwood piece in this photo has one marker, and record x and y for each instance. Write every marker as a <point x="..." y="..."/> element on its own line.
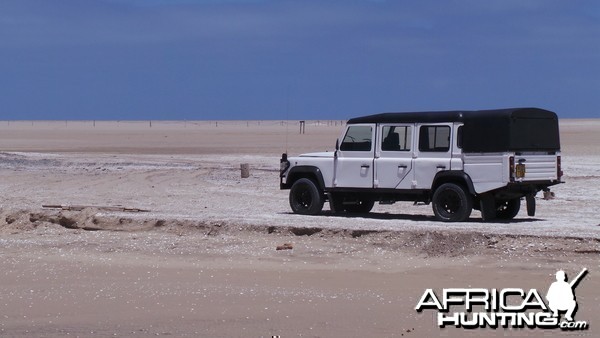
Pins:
<point x="285" y="246"/>
<point x="81" y="207"/>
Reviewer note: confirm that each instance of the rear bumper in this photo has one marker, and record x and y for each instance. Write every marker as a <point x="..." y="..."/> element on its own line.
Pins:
<point x="521" y="189"/>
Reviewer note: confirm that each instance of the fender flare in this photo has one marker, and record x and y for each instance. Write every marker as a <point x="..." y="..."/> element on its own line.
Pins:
<point x="307" y="171"/>
<point x="453" y="176"/>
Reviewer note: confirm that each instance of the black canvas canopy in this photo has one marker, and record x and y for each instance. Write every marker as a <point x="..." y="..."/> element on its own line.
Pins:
<point x="498" y="130"/>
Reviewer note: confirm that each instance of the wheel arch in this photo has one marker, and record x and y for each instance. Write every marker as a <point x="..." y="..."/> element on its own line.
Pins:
<point x="453" y="176"/>
<point x="305" y="171"/>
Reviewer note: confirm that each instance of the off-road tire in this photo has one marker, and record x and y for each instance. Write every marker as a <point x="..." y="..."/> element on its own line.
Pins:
<point x="451" y="203"/>
<point x="363" y="206"/>
<point x="338" y="206"/>
<point x="306" y="198"/>
<point x="508" y="209"/>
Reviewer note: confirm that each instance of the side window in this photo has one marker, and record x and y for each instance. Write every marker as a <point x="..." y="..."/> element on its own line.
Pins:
<point x="396" y="138"/>
<point x="434" y="139"/>
<point x="459" y="137"/>
<point x="358" y="138"/>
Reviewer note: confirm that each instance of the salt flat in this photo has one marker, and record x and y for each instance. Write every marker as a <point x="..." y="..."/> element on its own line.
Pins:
<point x="202" y="261"/>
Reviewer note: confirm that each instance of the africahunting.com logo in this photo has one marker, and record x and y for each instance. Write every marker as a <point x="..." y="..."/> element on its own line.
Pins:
<point x="507" y="308"/>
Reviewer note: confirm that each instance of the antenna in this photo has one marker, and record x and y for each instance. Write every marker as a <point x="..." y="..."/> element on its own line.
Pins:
<point x="287" y="117"/>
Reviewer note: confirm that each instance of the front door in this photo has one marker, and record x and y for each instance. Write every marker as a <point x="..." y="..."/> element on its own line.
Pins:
<point x="353" y="167"/>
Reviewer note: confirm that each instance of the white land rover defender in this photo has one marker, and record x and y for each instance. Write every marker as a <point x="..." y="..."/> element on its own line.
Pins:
<point x="457" y="160"/>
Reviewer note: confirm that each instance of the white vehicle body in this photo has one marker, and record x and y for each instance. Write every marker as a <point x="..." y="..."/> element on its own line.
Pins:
<point x="487" y="160"/>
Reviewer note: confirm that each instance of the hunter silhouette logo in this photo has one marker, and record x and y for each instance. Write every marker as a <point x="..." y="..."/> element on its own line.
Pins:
<point x="561" y="295"/>
<point x="507" y="308"/>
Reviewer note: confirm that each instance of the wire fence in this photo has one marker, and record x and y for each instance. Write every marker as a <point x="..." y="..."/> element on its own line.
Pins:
<point x="163" y="123"/>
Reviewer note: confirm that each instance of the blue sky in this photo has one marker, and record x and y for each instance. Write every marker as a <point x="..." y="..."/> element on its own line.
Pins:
<point x="260" y="59"/>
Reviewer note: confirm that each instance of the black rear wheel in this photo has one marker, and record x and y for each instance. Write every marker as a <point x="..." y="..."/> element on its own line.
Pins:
<point x="306" y="198"/>
<point x="451" y="203"/>
<point x="508" y="209"/>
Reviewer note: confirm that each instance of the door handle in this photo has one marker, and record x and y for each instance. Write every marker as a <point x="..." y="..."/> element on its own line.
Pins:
<point x="402" y="166"/>
<point x="442" y="167"/>
<point x="365" y="166"/>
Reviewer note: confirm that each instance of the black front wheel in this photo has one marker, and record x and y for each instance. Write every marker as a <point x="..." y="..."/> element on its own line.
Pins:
<point x="451" y="203"/>
<point x="362" y="206"/>
<point x="342" y="203"/>
<point x="306" y="198"/>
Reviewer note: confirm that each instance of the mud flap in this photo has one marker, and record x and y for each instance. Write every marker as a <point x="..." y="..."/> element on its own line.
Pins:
<point x="335" y="204"/>
<point x="530" y="204"/>
<point x="488" y="207"/>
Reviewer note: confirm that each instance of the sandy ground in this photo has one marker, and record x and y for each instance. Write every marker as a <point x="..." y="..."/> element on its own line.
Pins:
<point x="202" y="260"/>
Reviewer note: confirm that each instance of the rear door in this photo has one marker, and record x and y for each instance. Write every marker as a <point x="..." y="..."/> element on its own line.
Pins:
<point x="393" y="157"/>
<point x="354" y="164"/>
<point x="433" y="153"/>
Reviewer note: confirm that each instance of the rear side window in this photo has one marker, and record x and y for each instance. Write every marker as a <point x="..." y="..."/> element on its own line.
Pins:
<point x="434" y="138"/>
<point x="396" y="138"/>
<point x="358" y="138"/>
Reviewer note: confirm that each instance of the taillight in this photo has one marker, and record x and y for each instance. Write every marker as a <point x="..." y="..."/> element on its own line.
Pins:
<point x="559" y="172"/>
<point x="511" y="168"/>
